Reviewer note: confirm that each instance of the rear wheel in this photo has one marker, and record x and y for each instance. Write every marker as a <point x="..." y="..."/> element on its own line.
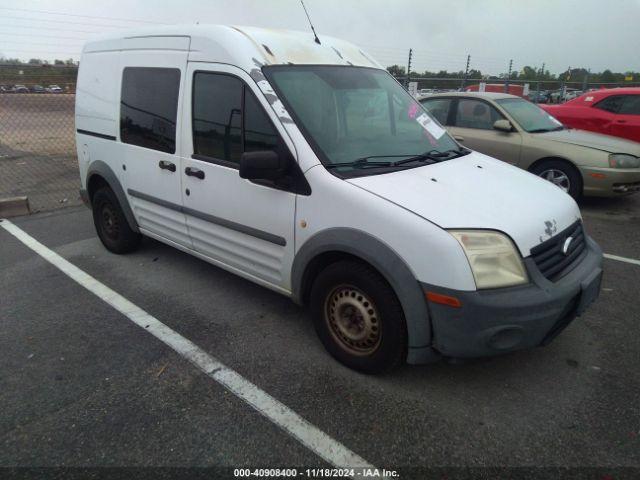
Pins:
<point x="111" y="224"/>
<point x="358" y="317"/>
<point x="562" y="174"/>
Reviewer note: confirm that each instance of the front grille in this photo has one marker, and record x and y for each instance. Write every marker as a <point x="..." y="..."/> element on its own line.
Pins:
<point x="552" y="262"/>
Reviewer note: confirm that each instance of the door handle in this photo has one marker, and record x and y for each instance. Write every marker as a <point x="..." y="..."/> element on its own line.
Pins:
<point x="459" y="138"/>
<point x="163" y="164"/>
<point x="194" y="172"/>
<point x="621" y="121"/>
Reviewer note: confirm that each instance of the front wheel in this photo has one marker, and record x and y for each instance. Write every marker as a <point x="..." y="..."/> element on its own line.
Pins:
<point x="562" y="174"/>
<point x="358" y="317"/>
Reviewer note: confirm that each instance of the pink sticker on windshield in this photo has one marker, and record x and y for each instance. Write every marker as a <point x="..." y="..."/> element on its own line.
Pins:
<point x="413" y="110"/>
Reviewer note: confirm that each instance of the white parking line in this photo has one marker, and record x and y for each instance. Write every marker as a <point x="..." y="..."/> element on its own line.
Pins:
<point x="622" y="259"/>
<point x="310" y="436"/>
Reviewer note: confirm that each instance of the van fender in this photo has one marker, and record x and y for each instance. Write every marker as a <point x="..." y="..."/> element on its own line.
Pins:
<point x="100" y="168"/>
<point x="388" y="263"/>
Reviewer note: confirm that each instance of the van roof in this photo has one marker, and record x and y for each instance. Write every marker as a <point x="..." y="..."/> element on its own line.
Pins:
<point x="245" y="47"/>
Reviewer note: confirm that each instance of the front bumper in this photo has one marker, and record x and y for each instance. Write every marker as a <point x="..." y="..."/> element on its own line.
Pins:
<point x="607" y="182"/>
<point x="491" y="322"/>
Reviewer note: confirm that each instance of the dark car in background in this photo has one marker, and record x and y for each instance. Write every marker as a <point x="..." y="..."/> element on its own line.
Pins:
<point x="539" y="97"/>
<point x="38" y="89"/>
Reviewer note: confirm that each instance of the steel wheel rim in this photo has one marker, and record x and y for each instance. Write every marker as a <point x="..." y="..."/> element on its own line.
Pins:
<point x="109" y="220"/>
<point x="353" y="320"/>
<point x="558" y="178"/>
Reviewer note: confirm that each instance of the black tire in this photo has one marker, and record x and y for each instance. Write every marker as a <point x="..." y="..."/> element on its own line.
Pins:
<point x="111" y="224"/>
<point x="571" y="173"/>
<point x="384" y="345"/>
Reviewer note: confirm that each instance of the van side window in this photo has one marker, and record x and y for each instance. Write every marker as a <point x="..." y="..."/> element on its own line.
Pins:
<point x="217" y="117"/>
<point x="149" y="106"/>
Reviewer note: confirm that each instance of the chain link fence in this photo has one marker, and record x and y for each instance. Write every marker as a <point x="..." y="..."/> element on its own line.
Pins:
<point x="37" y="136"/>
<point x="37" y="132"/>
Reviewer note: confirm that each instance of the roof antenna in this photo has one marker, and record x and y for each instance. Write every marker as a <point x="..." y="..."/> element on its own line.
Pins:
<point x="317" y="40"/>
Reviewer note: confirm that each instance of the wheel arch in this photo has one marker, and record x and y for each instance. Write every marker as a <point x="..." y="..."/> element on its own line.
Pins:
<point x="337" y="244"/>
<point x="99" y="175"/>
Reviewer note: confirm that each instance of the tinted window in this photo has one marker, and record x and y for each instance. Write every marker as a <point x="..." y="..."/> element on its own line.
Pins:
<point x="610" y="104"/>
<point x="630" y="105"/>
<point x="148" y="107"/>
<point x="217" y="116"/>
<point x="439" y="108"/>
<point x="259" y="133"/>
<point x="476" y="114"/>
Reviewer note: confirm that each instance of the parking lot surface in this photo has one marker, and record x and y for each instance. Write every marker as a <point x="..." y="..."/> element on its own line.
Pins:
<point x="81" y="385"/>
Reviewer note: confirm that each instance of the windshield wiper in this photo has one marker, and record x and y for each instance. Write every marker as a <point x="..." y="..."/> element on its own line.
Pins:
<point x="434" y="156"/>
<point x="364" y="162"/>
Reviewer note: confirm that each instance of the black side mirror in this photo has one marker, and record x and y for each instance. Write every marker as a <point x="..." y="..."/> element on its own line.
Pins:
<point x="262" y="165"/>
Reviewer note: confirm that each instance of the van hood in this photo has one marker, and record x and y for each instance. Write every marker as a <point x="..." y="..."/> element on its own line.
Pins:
<point x="598" y="141"/>
<point x="479" y="192"/>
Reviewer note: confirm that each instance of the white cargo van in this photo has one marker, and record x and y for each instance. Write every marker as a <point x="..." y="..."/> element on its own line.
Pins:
<point x="305" y="167"/>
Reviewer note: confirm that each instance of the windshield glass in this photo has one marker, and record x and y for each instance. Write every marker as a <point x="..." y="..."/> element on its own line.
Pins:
<point x="529" y="116"/>
<point x="354" y="114"/>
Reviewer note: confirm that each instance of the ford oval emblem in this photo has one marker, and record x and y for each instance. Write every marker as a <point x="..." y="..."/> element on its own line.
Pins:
<point x="565" y="247"/>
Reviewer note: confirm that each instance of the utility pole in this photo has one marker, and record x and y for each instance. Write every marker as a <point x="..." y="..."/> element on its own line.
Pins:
<point x="585" y="82"/>
<point x="539" y="73"/>
<point x="506" y="83"/>
<point x="563" y="86"/>
<point x="466" y="73"/>
<point x="409" y="67"/>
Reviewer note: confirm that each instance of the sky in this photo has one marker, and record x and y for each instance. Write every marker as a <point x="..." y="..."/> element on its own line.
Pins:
<point x="559" y="33"/>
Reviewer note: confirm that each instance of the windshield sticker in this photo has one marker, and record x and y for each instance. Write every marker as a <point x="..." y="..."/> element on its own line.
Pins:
<point x="430" y="126"/>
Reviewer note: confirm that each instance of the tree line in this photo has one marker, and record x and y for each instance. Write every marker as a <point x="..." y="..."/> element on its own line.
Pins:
<point x="528" y="73"/>
<point x="38" y="62"/>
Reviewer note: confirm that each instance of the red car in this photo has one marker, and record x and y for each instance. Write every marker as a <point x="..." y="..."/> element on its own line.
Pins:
<point x="613" y="111"/>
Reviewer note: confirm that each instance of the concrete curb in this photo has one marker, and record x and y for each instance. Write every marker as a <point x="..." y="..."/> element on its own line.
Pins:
<point x="14" y="207"/>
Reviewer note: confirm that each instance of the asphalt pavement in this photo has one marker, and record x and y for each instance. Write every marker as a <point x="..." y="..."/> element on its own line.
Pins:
<point x="81" y="385"/>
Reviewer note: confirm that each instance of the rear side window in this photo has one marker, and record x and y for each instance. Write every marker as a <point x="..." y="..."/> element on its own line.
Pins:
<point x="149" y="106"/>
<point x="610" y="104"/>
<point x="476" y="114"/>
<point x="439" y="108"/>
<point x="630" y="105"/>
<point x="228" y="120"/>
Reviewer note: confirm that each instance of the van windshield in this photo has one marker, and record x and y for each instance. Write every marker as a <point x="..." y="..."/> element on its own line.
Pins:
<point x="360" y="118"/>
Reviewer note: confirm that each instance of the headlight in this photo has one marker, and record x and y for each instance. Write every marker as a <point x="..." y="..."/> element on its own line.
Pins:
<point x="622" y="160"/>
<point x="493" y="257"/>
